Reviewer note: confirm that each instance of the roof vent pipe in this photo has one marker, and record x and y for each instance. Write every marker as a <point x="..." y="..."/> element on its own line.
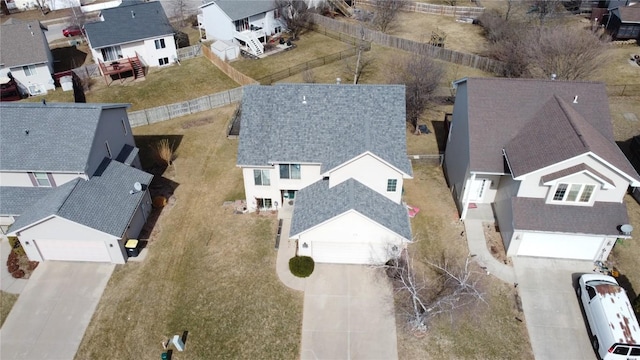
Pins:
<point x="133" y="15"/>
<point x="338" y="81"/>
<point x="304" y="99"/>
<point x="575" y="99"/>
<point x="553" y="76"/>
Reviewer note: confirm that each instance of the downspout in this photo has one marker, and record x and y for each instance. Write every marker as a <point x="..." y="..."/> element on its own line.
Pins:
<point x="465" y="196"/>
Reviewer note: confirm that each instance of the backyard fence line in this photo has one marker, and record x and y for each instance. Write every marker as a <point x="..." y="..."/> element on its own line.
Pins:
<point x="189" y="52"/>
<point x="167" y="112"/>
<point x="431" y="158"/>
<point x="440" y="53"/>
<point x="229" y="70"/>
<point x="433" y="9"/>
<point x="623" y="90"/>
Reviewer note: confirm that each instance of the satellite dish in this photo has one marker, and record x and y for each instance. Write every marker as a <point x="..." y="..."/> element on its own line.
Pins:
<point x="137" y="186"/>
<point x="626" y="229"/>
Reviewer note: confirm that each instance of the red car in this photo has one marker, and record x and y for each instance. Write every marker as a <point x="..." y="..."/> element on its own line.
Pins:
<point x="72" y="30"/>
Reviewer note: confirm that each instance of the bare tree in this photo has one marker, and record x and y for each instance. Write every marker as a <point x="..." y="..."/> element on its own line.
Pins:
<point x="362" y="64"/>
<point x="179" y="8"/>
<point x="295" y="14"/>
<point x="423" y="298"/>
<point x="421" y="76"/>
<point x="42" y="5"/>
<point x="386" y="13"/>
<point x="545" y="9"/>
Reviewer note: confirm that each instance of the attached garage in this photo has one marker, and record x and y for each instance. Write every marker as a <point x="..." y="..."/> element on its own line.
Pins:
<point x="580" y="247"/>
<point x="347" y="252"/>
<point x="73" y="250"/>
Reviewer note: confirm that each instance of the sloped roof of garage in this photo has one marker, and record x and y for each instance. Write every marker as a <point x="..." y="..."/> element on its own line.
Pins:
<point x="53" y="137"/>
<point x="328" y="124"/>
<point x="103" y="203"/>
<point x="318" y="203"/>
<point x="15" y="199"/>
<point x="603" y="218"/>
<point x="240" y="9"/>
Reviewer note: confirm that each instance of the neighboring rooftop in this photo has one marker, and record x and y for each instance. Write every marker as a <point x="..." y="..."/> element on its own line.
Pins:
<point x="240" y="9"/>
<point x="321" y="123"/>
<point x="51" y="137"/>
<point x="346" y="196"/>
<point x="127" y="23"/>
<point x="629" y="14"/>
<point x="23" y="43"/>
<point x="104" y="202"/>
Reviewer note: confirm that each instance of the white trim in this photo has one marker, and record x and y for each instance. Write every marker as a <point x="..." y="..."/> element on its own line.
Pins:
<point x="605" y="184"/>
<point x="35" y="223"/>
<point x="328" y="172"/>
<point x="465" y="195"/>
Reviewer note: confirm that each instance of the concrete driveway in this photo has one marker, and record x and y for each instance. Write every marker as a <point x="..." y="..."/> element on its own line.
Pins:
<point x="556" y="326"/>
<point x="53" y="311"/>
<point x="348" y="314"/>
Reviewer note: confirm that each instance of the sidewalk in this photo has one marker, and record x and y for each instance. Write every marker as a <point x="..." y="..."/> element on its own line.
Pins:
<point x="7" y="282"/>
<point x="286" y="251"/>
<point x="478" y="248"/>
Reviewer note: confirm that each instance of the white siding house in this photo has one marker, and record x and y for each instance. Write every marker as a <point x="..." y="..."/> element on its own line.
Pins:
<point x="541" y="154"/>
<point x="336" y="161"/>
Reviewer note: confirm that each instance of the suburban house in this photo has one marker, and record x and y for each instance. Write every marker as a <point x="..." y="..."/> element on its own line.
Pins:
<point x="70" y="180"/>
<point x="337" y="154"/>
<point x="623" y="22"/>
<point x="49" y="4"/>
<point x="131" y="37"/>
<point x="540" y="155"/>
<point x="248" y="24"/>
<point x="25" y="56"/>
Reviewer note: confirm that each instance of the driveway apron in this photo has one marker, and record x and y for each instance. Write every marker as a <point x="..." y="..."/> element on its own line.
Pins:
<point x="348" y="314"/>
<point x="53" y="311"/>
<point x="557" y="329"/>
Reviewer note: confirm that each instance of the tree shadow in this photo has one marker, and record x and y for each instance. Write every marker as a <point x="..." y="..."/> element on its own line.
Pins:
<point x="67" y="58"/>
<point x="148" y="154"/>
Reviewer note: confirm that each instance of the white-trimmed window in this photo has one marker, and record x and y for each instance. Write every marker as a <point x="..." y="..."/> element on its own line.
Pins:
<point x="261" y="177"/>
<point x="289" y="171"/>
<point x="42" y="179"/>
<point x="160" y="44"/>
<point x="264" y="203"/>
<point x="163" y="61"/>
<point x="392" y="184"/>
<point x="580" y="193"/>
<point x="29" y="70"/>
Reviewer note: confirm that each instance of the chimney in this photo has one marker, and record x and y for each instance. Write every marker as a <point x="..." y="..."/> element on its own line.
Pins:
<point x="575" y="99"/>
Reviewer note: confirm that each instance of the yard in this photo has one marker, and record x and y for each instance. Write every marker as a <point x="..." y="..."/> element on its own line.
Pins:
<point x="6" y="303"/>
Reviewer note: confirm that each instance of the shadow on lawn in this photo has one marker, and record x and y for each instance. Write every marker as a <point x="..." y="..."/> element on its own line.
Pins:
<point x="67" y="58"/>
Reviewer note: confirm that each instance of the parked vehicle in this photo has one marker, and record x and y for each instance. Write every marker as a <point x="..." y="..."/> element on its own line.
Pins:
<point x="72" y="30"/>
<point x="615" y="333"/>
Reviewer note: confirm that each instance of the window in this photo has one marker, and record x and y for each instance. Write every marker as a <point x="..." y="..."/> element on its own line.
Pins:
<point x="591" y="291"/>
<point x="621" y="350"/>
<point x="261" y="177"/>
<point x="160" y="44"/>
<point x="242" y="25"/>
<point x="29" y="70"/>
<point x="264" y="203"/>
<point x="628" y="31"/>
<point x="42" y="179"/>
<point x="112" y="53"/>
<point x="391" y="185"/>
<point x="106" y="144"/>
<point x="574" y="193"/>
<point x="124" y="126"/>
<point x="635" y="351"/>
<point x="163" y="61"/>
<point x="290" y="171"/>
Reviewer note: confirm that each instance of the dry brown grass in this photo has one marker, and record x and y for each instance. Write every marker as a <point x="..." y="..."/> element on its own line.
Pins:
<point x="209" y="272"/>
<point x="6" y="303"/>
<point x="163" y="151"/>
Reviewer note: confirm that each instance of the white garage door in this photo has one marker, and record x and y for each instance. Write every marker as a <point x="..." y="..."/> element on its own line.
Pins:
<point x="73" y="250"/>
<point x="561" y="246"/>
<point x="347" y="253"/>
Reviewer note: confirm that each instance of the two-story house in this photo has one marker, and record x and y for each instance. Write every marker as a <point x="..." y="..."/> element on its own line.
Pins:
<point x="541" y="155"/>
<point x="131" y="37"/>
<point x="25" y="56"/>
<point x="246" y="23"/>
<point x="337" y="153"/>
<point x="71" y="187"/>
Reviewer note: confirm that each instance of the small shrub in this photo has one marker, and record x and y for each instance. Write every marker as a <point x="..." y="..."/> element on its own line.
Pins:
<point x="16" y="246"/>
<point x="164" y="151"/>
<point x="301" y="266"/>
<point x="32" y="265"/>
<point x="18" y="274"/>
<point x="13" y="267"/>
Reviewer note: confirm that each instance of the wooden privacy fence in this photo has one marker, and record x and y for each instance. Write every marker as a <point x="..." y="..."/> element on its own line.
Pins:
<point x="433" y="9"/>
<point x="232" y="73"/>
<point x="189" y="52"/>
<point x="166" y="112"/>
<point x="380" y="38"/>
<point x="623" y="90"/>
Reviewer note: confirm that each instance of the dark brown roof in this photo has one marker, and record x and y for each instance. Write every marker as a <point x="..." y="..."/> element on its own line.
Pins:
<point x="23" y="43"/>
<point x="603" y="218"/>
<point x="499" y="109"/>
<point x="572" y="170"/>
<point x="630" y="13"/>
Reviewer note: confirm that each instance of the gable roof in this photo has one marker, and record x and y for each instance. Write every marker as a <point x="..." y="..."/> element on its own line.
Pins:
<point x="15" y="199"/>
<point x="629" y="14"/>
<point x="558" y="132"/>
<point x="102" y="203"/>
<point x="128" y="23"/>
<point x="23" y="43"/>
<point x="321" y="123"/>
<point x="574" y="170"/>
<point x="59" y="136"/>
<point x="348" y="195"/>
<point x="498" y="109"/>
<point x="240" y="9"/>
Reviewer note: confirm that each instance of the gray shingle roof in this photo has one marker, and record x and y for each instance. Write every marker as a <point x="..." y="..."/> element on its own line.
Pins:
<point x="60" y="135"/>
<point x="558" y="132"/>
<point x="603" y="218"/>
<point x="334" y="124"/>
<point x="102" y="203"/>
<point x="500" y="108"/>
<point x="15" y="199"/>
<point x="120" y="27"/>
<point x="348" y="195"/>
<point x="23" y="43"/>
<point x="240" y="9"/>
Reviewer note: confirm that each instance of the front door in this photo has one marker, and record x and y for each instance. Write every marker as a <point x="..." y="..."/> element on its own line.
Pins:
<point x="478" y="187"/>
<point x="288" y="196"/>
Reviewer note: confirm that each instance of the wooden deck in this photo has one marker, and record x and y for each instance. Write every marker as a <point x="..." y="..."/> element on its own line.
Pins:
<point x="121" y="69"/>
